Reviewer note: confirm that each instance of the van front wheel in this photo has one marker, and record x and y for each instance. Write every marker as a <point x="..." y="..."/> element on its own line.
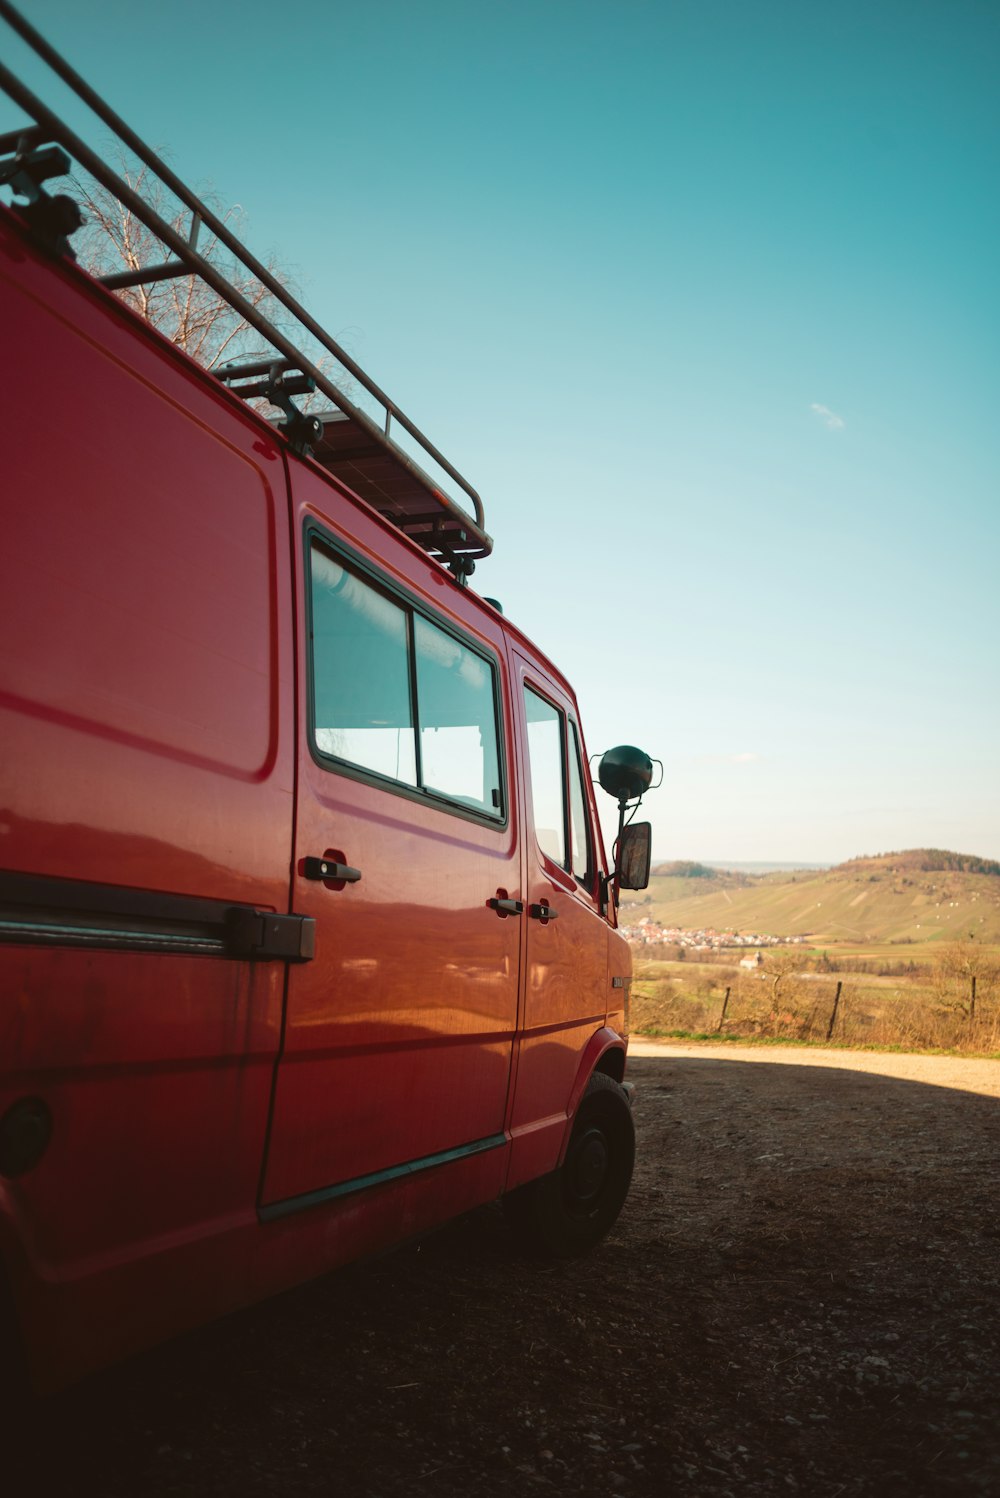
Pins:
<point x="567" y="1213"/>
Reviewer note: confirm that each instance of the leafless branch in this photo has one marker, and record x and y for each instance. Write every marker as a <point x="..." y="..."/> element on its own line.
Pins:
<point x="184" y="309"/>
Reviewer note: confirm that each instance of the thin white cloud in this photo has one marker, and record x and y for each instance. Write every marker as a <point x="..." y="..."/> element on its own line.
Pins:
<point x="743" y="759"/>
<point x="827" y="417"/>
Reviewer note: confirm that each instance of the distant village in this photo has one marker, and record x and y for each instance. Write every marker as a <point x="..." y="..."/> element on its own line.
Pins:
<point x="646" y="932"/>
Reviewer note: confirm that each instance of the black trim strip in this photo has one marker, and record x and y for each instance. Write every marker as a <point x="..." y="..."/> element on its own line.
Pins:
<point x="36" y="909"/>
<point x="27" y="932"/>
<point x="115" y="899"/>
<point x="292" y="1204"/>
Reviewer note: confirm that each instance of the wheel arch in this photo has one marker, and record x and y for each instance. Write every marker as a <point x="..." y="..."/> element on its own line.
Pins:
<point x="604" y="1052"/>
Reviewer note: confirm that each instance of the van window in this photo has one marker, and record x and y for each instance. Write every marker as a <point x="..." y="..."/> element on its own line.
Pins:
<point x="458" y="736"/>
<point x="545" y="756"/>
<point x="568" y="844"/>
<point x="398" y="696"/>
<point x="579" y="822"/>
<point x="361" y="673"/>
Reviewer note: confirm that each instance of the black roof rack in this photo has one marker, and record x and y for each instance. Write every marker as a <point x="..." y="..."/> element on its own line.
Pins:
<point x="347" y="441"/>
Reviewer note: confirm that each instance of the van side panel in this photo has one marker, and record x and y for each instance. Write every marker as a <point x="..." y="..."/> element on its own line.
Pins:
<point x="146" y="723"/>
<point x="398" y="1037"/>
<point x="144" y="610"/>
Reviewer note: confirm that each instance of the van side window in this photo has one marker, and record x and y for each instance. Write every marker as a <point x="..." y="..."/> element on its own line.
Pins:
<point x="398" y="696"/>
<point x="567" y="842"/>
<point x="579" y="821"/>
<point x="548" y="790"/>
<point x="458" y="735"/>
<point x="361" y="673"/>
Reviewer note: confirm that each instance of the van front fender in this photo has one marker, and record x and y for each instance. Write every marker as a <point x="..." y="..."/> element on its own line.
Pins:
<point x="538" y="1141"/>
<point x="604" y="1052"/>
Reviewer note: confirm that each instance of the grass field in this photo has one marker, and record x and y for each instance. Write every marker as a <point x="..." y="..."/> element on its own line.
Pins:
<point x="891" y="950"/>
<point x="927" y="1009"/>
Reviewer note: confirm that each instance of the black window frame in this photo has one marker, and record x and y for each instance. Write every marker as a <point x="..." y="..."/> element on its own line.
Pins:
<point x="413" y="605"/>
<point x="574" y="745"/>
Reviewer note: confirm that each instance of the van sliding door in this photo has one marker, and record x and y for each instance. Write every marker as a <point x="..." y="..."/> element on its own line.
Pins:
<point x="398" y="1035"/>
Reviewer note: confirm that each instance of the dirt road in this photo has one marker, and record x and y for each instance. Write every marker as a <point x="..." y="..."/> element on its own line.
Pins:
<point x="961" y="1072"/>
<point x="802" y="1297"/>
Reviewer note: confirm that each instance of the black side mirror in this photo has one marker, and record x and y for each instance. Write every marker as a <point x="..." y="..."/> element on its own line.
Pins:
<point x="634" y="848"/>
<point x="627" y="774"/>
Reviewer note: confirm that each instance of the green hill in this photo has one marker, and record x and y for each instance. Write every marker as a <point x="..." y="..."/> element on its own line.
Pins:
<point x="920" y="895"/>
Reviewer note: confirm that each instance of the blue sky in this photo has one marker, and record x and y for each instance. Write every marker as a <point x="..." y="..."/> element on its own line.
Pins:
<point x="703" y="298"/>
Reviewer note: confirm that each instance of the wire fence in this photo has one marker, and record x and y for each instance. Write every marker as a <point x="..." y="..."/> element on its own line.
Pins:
<point x="919" y="1014"/>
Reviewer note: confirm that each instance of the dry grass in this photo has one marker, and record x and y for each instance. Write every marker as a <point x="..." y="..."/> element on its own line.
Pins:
<point x="928" y="1012"/>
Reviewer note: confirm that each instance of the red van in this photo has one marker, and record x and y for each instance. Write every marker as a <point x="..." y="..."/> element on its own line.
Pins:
<point x="307" y="935"/>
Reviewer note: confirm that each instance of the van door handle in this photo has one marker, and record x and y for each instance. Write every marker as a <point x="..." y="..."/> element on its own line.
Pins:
<point x="542" y="912"/>
<point x="506" y="907"/>
<point x="325" y="868"/>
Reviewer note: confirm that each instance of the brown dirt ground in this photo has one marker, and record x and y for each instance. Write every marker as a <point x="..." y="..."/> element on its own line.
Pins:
<point x="801" y="1297"/>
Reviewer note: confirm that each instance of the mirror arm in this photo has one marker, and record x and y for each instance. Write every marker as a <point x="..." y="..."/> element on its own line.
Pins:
<point x="616" y="850"/>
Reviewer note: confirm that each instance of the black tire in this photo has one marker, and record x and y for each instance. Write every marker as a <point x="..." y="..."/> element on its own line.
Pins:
<point x="15" y="1390"/>
<point x="567" y="1213"/>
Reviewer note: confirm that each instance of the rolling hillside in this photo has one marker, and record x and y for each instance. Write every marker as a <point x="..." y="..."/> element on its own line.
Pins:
<point x="892" y="898"/>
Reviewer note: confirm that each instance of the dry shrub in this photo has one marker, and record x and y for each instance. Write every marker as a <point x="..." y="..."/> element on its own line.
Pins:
<point x="921" y="1014"/>
<point x="658" y="1008"/>
<point x="912" y="1022"/>
<point x="760" y="1007"/>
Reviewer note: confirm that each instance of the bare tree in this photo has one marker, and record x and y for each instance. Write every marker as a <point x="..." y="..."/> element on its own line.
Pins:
<point x="781" y="964"/>
<point x="782" y="967"/>
<point x="964" y="968"/>
<point x="186" y="310"/>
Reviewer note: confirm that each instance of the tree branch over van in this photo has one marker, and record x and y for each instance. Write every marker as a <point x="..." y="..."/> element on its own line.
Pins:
<point x="184" y="309"/>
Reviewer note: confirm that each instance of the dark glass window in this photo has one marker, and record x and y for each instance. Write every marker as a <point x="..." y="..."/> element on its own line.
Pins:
<point x="379" y="670"/>
<point x="548" y="791"/>
<point x="567" y="840"/>
<point x="361" y="673"/>
<point x="579" y="821"/>
<point x="458" y="736"/>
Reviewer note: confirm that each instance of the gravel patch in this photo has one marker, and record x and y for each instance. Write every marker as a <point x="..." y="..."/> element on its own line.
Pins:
<point x="801" y="1297"/>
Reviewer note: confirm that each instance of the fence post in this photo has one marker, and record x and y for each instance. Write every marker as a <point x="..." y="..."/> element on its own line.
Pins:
<point x="725" y="1006"/>
<point x="833" y="1016"/>
<point x="972" y="1000"/>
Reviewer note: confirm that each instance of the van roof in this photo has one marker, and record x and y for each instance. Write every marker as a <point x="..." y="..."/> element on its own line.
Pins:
<point x="347" y="441"/>
<point x="395" y="490"/>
